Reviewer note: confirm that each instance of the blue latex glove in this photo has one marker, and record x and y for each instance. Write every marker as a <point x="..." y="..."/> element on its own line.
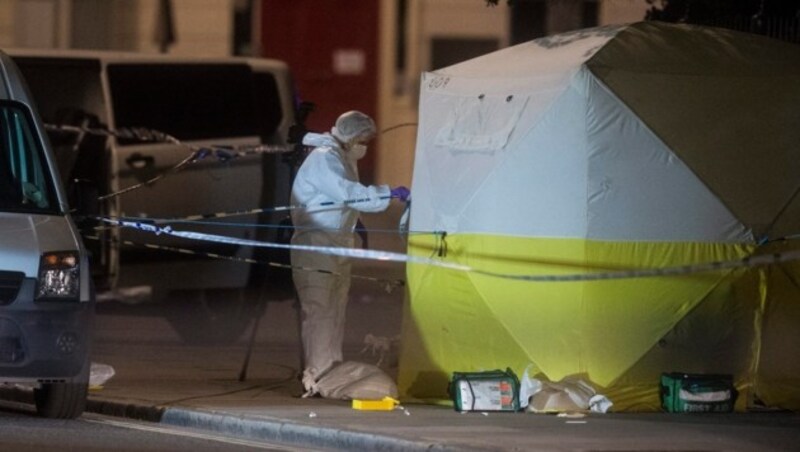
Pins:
<point x="401" y="193"/>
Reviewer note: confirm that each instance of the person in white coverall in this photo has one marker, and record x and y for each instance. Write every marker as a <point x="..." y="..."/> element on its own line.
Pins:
<point x="329" y="175"/>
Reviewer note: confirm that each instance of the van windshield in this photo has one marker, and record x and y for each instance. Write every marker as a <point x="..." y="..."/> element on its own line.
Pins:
<point x="25" y="180"/>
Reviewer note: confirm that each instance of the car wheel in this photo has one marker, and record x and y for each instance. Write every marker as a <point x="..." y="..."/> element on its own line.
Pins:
<point x="61" y="400"/>
<point x="212" y="317"/>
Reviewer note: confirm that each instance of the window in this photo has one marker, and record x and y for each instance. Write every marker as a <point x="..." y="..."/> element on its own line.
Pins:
<point x="187" y="101"/>
<point x="25" y="180"/>
<point x="401" y="49"/>
<point x="528" y="20"/>
<point x="243" y="27"/>
<point x="448" y="51"/>
<point x="590" y="14"/>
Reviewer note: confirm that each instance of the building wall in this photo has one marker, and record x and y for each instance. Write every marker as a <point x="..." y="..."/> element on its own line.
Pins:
<point x="6" y="23"/>
<point x="47" y="17"/>
<point x="622" y="11"/>
<point x="564" y="15"/>
<point x="459" y="19"/>
<point x="397" y="95"/>
<point x="466" y="24"/>
<point x="202" y="27"/>
<point x="306" y="39"/>
<point x="466" y="19"/>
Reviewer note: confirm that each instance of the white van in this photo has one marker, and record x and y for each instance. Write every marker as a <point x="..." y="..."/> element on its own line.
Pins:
<point x="201" y="102"/>
<point x="46" y="297"/>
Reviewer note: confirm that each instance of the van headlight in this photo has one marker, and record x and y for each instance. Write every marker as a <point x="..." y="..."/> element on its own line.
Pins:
<point x="58" y="276"/>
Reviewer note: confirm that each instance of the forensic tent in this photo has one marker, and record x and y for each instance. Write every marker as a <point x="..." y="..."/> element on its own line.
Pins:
<point x="630" y="197"/>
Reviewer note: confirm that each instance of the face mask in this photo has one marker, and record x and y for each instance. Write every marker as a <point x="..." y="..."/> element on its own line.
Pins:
<point x="357" y="151"/>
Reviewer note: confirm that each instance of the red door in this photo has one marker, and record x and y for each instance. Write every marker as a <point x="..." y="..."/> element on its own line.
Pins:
<point x="331" y="47"/>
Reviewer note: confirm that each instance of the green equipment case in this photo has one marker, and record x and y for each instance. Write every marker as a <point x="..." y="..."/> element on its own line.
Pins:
<point x="697" y="393"/>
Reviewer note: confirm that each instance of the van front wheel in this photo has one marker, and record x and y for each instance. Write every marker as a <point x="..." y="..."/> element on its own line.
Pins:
<point x="61" y="400"/>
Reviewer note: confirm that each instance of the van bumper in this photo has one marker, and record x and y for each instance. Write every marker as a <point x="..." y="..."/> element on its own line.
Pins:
<point x="44" y="342"/>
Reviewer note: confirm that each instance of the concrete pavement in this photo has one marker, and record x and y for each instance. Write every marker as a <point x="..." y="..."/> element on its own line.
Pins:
<point x="198" y="387"/>
<point x="159" y="379"/>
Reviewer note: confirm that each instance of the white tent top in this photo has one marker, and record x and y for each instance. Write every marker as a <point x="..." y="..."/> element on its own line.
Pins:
<point x="650" y="131"/>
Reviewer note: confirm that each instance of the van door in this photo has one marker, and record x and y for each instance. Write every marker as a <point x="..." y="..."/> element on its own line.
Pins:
<point x="69" y="91"/>
<point x="199" y="104"/>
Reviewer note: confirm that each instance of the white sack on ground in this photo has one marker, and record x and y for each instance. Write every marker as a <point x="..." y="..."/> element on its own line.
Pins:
<point x="354" y="380"/>
<point x="528" y="386"/>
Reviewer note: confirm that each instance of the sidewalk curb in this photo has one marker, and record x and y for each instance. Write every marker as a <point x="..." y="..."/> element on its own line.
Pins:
<point x="125" y="410"/>
<point x="104" y="407"/>
<point x="250" y="427"/>
<point x="288" y="432"/>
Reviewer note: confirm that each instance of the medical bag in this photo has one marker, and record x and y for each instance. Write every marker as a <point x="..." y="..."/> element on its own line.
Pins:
<point x="697" y="393"/>
<point x="494" y="390"/>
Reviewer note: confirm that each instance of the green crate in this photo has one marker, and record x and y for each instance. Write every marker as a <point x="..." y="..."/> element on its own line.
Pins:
<point x="495" y="390"/>
<point x="697" y="393"/>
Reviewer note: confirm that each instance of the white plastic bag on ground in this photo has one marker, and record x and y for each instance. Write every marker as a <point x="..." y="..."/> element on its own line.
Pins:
<point x="599" y="404"/>
<point x="570" y="394"/>
<point x="528" y="386"/>
<point x="354" y="380"/>
<point x="99" y="374"/>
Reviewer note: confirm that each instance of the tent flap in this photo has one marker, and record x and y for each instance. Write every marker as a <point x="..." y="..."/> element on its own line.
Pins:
<point x="481" y="123"/>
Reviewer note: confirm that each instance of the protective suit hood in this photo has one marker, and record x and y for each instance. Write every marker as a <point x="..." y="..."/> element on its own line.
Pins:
<point x="353" y="153"/>
<point x="320" y="139"/>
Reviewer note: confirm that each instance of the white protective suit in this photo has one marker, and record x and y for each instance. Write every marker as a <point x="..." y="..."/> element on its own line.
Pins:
<point x="327" y="174"/>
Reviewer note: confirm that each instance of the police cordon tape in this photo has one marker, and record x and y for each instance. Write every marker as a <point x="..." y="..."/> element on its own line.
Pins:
<point x="144" y="135"/>
<point x="130" y="133"/>
<point x="196" y="155"/>
<point x="195" y="219"/>
<point x="388" y="284"/>
<point x="234" y="213"/>
<point x="388" y="256"/>
<point x="174" y="169"/>
<point x="226" y="153"/>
